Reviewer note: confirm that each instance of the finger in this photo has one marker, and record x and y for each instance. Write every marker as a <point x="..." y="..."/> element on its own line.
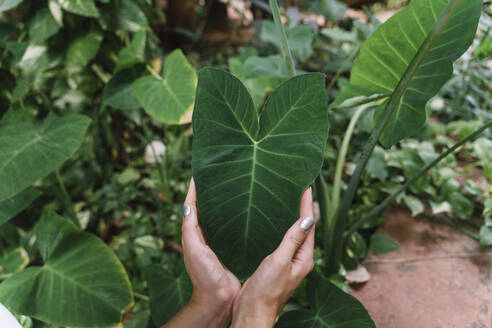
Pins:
<point x="307" y="203"/>
<point x="299" y="231"/>
<point x="303" y="259"/>
<point x="192" y="236"/>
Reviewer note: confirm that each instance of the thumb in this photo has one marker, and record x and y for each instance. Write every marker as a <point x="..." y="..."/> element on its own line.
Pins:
<point x="298" y="233"/>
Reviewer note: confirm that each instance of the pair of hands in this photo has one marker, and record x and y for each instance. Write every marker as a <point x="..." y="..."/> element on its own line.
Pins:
<point x="218" y="294"/>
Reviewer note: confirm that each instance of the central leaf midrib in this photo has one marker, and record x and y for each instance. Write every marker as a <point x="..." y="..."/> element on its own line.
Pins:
<point x="250" y="198"/>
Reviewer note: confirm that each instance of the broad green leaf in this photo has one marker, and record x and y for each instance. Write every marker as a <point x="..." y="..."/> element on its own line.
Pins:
<point x="168" y="292"/>
<point x="118" y="91"/>
<point x="13" y="262"/>
<point x="30" y="153"/>
<point x="330" y="307"/>
<point x="299" y="38"/>
<point x="84" y="49"/>
<point x="81" y="283"/>
<point x="131" y="17"/>
<point x="251" y="170"/>
<point x="80" y="7"/>
<point x="14" y="205"/>
<point x="386" y="55"/>
<point x="381" y="244"/>
<point x="9" y="4"/>
<point x="42" y="26"/>
<point x="170" y="99"/>
<point x="134" y="53"/>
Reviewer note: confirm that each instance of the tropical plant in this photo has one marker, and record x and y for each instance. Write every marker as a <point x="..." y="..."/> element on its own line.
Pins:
<point x="252" y="159"/>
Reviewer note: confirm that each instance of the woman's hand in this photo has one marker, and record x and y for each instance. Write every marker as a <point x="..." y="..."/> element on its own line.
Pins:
<point x="268" y="289"/>
<point x="214" y="287"/>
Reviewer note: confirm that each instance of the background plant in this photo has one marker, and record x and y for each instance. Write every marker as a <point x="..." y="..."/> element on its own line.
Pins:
<point x="122" y="177"/>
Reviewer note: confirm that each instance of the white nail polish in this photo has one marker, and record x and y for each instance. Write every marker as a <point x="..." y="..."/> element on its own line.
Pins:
<point x="186" y="210"/>
<point x="307" y="223"/>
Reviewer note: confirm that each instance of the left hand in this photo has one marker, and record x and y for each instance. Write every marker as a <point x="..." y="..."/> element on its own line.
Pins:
<point x="214" y="287"/>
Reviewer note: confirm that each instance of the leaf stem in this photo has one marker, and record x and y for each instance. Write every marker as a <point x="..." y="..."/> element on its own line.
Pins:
<point x="289" y="60"/>
<point x="141" y="296"/>
<point x="68" y="200"/>
<point x="342" y="154"/>
<point x="376" y="210"/>
<point x="343" y="212"/>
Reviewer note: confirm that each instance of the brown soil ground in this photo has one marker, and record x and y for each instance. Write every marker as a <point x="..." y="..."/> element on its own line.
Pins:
<point x="438" y="278"/>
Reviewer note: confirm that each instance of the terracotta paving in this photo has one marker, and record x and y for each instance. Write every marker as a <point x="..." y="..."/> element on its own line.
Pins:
<point x="438" y="278"/>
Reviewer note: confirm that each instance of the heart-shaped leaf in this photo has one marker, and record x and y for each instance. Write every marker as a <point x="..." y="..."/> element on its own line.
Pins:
<point x="12" y="206"/>
<point x="92" y="290"/>
<point x="134" y="53"/>
<point x="251" y="170"/>
<point x="330" y="308"/>
<point x="32" y="152"/>
<point x="170" y="99"/>
<point x="169" y="292"/>
<point x="386" y="55"/>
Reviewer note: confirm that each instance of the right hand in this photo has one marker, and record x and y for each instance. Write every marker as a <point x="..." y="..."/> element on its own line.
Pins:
<point x="265" y="293"/>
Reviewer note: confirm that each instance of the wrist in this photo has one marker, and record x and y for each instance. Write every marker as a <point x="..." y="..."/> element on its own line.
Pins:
<point x="213" y="311"/>
<point x="255" y="315"/>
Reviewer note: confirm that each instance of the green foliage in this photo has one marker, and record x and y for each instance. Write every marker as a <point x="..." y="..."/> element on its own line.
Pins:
<point x="32" y="152"/>
<point x="97" y="286"/>
<point x="300" y="38"/>
<point x="13" y="262"/>
<point x="387" y="54"/>
<point x="12" y="206"/>
<point x="169" y="292"/>
<point x="170" y="99"/>
<point x="240" y="162"/>
<point x="381" y="244"/>
<point x="330" y="308"/>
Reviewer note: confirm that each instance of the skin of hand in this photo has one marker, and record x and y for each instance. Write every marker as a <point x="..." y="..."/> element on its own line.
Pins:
<point x="265" y="293"/>
<point x="214" y="287"/>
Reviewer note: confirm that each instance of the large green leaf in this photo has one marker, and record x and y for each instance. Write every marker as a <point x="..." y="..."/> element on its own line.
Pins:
<point x="84" y="48"/>
<point x="251" y="171"/>
<point x="14" y="205"/>
<point x="9" y="4"/>
<point x="81" y="284"/>
<point x="170" y="99"/>
<point x="386" y="55"/>
<point x="80" y="7"/>
<point x="13" y="262"/>
<point x="169" y="292"/>
<point x="330" y="307"/>
<point x="32" y="152"/>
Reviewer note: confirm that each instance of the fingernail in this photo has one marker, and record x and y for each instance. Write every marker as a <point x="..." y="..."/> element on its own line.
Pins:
<point x="186" y="210"/>
<point x="307" y="223"/>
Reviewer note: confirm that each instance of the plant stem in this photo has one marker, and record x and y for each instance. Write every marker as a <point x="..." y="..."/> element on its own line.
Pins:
<point x="375" y="211"/>
<point x="342" y="154"/>
<point x="333" y="263"/>
<point x="68" y="200"/>
<point x="141" y="296"/>
<point x="454" y="224"/>
<point x="289" y="60"/>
